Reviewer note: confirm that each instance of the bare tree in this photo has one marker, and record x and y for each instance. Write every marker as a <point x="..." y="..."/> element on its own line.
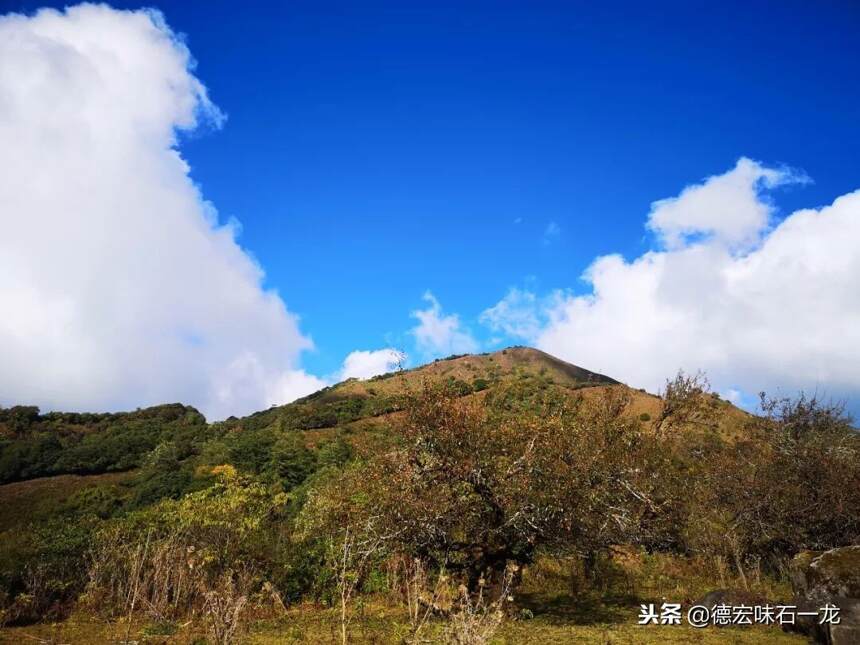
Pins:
<point x="355" y="537"/>
<point x="355" y="552"/>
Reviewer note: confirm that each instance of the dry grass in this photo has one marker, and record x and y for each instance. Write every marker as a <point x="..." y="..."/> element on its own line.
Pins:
<point x="382" y="625"/>
<point x="505" y="366"/>
<point x="565" y="610"/>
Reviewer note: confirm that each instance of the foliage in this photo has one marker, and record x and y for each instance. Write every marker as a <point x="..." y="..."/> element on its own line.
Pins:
<point x="685" y="403"/>
<point x="299" y="502"/>
<point x="88" y="444"/>
<point x="41" y="569"/>
<point x="480" y="384"/>
<point x="335" y="453"/>
<point x="473" y="490"/>
<point x="314" y="412"/>
<point x="18" y="419"/>
<point x="165" y="558"/>
<point x="794" y="485"/>
<point x="292" y="462"/>
<point x="350" y="535"/>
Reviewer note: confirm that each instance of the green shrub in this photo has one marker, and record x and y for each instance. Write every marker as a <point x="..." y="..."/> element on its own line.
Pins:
<point x="480" y="384"/>
<point x="41" y="569"/>
<point x="250" y="450"/>
<point x="291" y="461"/>
<point x="334" y="453"/>
<point x="172" y="553"/>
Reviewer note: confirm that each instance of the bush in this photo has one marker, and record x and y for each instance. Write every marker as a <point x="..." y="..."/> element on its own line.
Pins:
<point x="291" y="461"/>
<point x="793" y="485"/>
<point x="334" y="453"/>
<point x="172" y="556"/>
<point x="41" y="570"/>
<point x="480" y="384"/>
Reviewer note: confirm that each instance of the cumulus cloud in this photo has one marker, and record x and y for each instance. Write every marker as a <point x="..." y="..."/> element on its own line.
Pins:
<point x="758" y="304"/>
<point x="732" y="208"/>
<point x="365" y="364"/>
<point x="516" y="315"/>
<point x="119" y="286"/>
<point x="439" y="335"/>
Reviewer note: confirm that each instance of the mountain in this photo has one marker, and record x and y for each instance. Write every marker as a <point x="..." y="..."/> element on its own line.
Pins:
<point x="78" y="488"/>
<point x="357" y="412"/>
<point x="358" y="406"/>
<point x="346" y="403"/>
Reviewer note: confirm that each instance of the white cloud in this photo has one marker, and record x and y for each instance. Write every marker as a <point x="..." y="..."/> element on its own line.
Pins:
<point x="440" y="335"/>
<point x="516" y="315"/>
<point x="733" y="396"/>
<point x="757" y="305"/>
<point x="365" y="364"/>
<point x="119" y="286"/>
<point x="731" y="208"/>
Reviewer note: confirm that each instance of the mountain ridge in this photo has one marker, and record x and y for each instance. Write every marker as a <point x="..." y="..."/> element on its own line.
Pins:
<point x="35" y="445"/>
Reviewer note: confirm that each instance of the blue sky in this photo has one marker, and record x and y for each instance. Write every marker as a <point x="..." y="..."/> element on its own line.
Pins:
<point x="375" y="151"/>
<point x="389" y="148"/>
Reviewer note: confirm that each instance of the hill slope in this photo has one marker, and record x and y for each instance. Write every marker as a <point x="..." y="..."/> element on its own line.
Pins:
<point x="357" y="405"/>
<point x="355" y="399"/>
<point x="37" y="445"/>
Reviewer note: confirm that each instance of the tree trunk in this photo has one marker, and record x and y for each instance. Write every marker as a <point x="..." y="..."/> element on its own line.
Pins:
<point x="740" y="568"/>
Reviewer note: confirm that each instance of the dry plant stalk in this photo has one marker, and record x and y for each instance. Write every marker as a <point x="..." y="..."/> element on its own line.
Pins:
<point x="356" y="553"/>
<point x="477" y="618"/>
<point x="422" y="601"/>
<point x="157" y="576"/>
<point x="223" y="607"/>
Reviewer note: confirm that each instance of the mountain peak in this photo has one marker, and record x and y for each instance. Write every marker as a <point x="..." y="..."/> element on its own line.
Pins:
<point x="476" y="370"/>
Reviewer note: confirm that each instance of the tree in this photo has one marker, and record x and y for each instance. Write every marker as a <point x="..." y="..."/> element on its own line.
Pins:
<point x="473" y="489"/>
<point x="685" y="402"/>
<point x="19" y="418"/>
<point x="292" y="461"/>
<point x="793" y="483"/>
<point x="341" y="519"/>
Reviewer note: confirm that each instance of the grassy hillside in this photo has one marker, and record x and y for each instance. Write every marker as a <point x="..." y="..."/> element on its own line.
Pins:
<point x="358" y="399"/>
<point x="28" y="501"/>
<point x="37" y="445"/>
<point x="359" y="411"/>
<point x="141" y="525"/>
<point x="358" y="405"/>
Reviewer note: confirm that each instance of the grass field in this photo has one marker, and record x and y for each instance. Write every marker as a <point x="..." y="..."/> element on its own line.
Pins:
<point x="562" y="613"/>
<point x="383" y="625"/>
